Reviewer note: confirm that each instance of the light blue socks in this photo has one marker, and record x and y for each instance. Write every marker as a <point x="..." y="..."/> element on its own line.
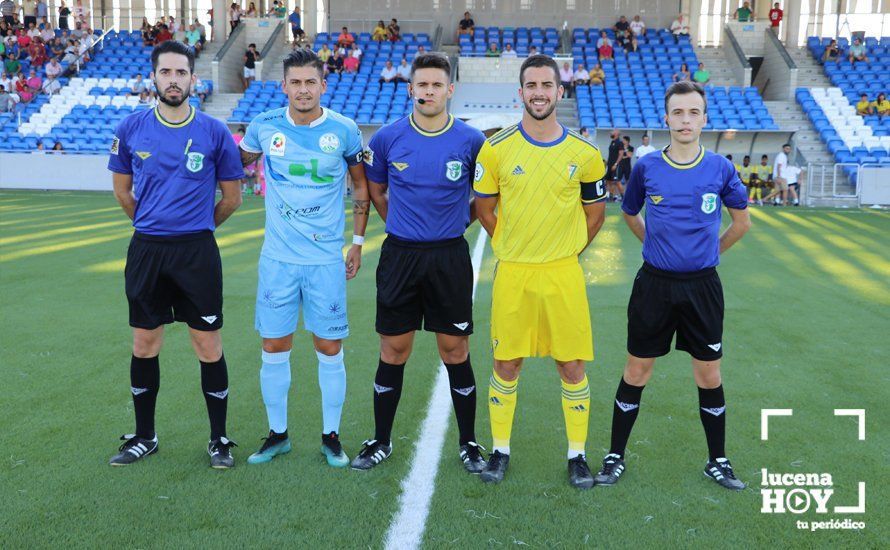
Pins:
<point x="275" y="383"/>
<point x="332" y="381"/>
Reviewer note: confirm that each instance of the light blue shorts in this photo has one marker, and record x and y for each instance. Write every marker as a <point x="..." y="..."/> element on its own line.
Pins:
<point x="284" y="289"/>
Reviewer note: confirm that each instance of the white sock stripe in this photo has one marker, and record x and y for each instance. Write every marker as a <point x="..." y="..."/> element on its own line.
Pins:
<point x="276" y="358"/>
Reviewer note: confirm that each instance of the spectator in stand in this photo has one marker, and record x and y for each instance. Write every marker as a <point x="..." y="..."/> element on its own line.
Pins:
<point x="23" y="39"/>
<point x="581" y="76"/>
<point x="172" y="25"/>
<point x="335" y="63"/>
<point x="356" y="52"/>
<point x="532" y="50"/>
<point x="585" y="133"/>
<point x="324" y="53"/>
<point x="81" y="14"/>
<point x="597" y="75"/>
<point x="420" y="50"/>
<point x="701" y="75"/>
<point x="34" y="82"/>
<point x="7" y="104"/>
<point x="12" y="64"/>
<point x="37" y="52"/>
<point x="567" y="79"/>
<point x="645" y="148"/>
<point x="148" y="34"/>
<point x="622" y="30"/>
<point x="58" y="149"/>
<point x="379" y="34"/>
<point x="492" y="50"/>
<point x="388" y="73"/>
<point x="351" y="63"/>
<point x="193" y="35"/>
<point x="46" y="33"/>
<point x="857" y="52"/>
<point x="296" y="24"/>
<point x="251" y="56"/>
<point x="57" y="48"/>
<point x="633" y="45"/>
<point x="64" y="12"/>
<point x="8" y="81"/>
<point x="604" y="47"/>
<point x="70" y="52"/>
<point x="145" y="98"/>
<point x="202" y="31"/>
<point x="345" y="39"/>
<point x="679" y="27"/>
<point x="683" y="73"/>
<point x="53" y="71"/>
<point x="832" y="52"/>
<point x="7" y="9"/>
<point x="251" y="10"/>
<point x="637" y="27"/>
<point x="466" y="25"/>
<point x="29" y="12"/>
<point x="403" y="71"/>
<point x="744" y="13"/>
<point x="508" y="51"/>
<point x="864" y="106"/>
<point x="393" y="31"/>
<point x="201" y="89"/>
<point x="234" y="15"/>
<point x="33" y="32"/>
<point x="190" y="46"/>
<point x="138" y="85"/>
<point x="163" y="35"/>
<point x="77" y="32"/>
<point x="881" y="106"/>
<point x="775" y="17"/>
<point x="23" y="90"/>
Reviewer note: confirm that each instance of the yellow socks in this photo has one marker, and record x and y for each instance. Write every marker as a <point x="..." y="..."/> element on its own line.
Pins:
<point x="501" y="408"/>
<point x="576" y="410"/>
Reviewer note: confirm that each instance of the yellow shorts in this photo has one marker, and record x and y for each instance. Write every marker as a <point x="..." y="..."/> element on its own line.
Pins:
<point x="539" y="310"/>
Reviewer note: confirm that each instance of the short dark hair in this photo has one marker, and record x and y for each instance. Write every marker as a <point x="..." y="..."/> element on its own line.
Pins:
<point x="764" y="157"/>
<point x="582" y="129"/>
<point x="431" y="60"/>
<point x="747" y="157"/>
<point x="303" y="58"/>
<point x="172" y="46"/>
<point x="682" y="88"/>
<point x="786" y="145"/>
<point x="538" y="60"/>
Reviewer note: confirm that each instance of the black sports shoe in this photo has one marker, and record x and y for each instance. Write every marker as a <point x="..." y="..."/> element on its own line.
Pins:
<point x="720" y="470"/>
<point x="373" y="453"/>
<point x="333" y="450"/>
<point x="220" y="451"/>
<point x="579" y="473"/>
<point x="613" y="467"/>
<point x="471" y="456"/>
<point x="496" y="468"/>
<point x="133" y="449"/>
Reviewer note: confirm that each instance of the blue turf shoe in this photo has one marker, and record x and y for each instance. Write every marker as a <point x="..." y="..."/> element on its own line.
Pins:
<point x="274" y="445"/>
<point x="333" y="450"/>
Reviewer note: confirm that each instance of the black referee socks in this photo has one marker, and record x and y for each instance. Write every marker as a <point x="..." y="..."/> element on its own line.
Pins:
<point x="624" y="414"/>
<point x="215" y="385"/>
<point x="387" y="391"/>
<point x="712" y="409"/>
<point x="463" y="397"/>
<point x="145" y="379"/>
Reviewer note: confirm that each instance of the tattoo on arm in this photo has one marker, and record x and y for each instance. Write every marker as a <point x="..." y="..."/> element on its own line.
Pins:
<point x="248" y="158"/>
<point x="361" y="208"/>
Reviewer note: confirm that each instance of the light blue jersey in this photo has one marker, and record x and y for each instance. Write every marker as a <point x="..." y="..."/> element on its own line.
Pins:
<point x="305" y="169"/>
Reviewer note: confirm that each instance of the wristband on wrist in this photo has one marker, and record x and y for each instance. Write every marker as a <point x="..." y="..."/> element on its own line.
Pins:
<point x="358" y="240"/>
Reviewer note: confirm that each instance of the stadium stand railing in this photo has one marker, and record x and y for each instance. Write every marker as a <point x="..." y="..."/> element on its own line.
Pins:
<point x="356" y="95"/>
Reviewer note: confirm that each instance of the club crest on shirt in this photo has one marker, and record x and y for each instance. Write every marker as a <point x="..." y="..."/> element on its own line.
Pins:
<point x="277" y="145"/>
<point x="195" y="162"/>
<point x="709" y="203"/>
<point x="329" y="143"/>
<point x="454" y="169"/>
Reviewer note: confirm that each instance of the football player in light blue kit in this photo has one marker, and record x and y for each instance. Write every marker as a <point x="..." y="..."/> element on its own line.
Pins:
<point x="307" y="151"/>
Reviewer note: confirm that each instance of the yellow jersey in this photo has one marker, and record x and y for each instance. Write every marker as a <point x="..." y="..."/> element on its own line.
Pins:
<point x="744" y="172"/>
<point x="862" y="107"/>
<point x="764" y="172"/>
<point x="881" y="107"/>
<point x="539" y="188"/>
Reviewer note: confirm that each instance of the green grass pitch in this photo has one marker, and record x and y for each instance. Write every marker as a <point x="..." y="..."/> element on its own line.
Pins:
<point x="807" y="295"/>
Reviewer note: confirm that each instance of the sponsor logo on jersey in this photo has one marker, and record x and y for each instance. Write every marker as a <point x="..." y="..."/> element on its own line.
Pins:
<point x="298" y="169"/>
<point x="480" y="171"/>
<point x="369" y="157"/>
<point x="115" y="145"/>
<point x="210" y="319"/>
<point x="329" y="143"/>
<point x="462" y="326"/>
<point x="716" y="347"/>
<point x="656" y="199"/>
<point x="400" y="166"/>
<point x="518" y="171"/>
<point x="143" y="154"/>
<point x="277" y="145"/>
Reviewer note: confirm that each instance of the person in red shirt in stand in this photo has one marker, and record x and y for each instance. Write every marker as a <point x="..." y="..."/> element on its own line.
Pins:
<point x="775" y="16"/>
<point x="163" y="36"/>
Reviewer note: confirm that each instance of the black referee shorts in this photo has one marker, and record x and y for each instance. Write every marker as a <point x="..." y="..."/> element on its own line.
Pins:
<point x="425" y="284"/>
<point x="176" y="278"/>
<point x="663" y="303"/>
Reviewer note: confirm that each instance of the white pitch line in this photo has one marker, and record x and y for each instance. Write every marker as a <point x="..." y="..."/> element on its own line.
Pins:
<point x="406" y="530"/>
